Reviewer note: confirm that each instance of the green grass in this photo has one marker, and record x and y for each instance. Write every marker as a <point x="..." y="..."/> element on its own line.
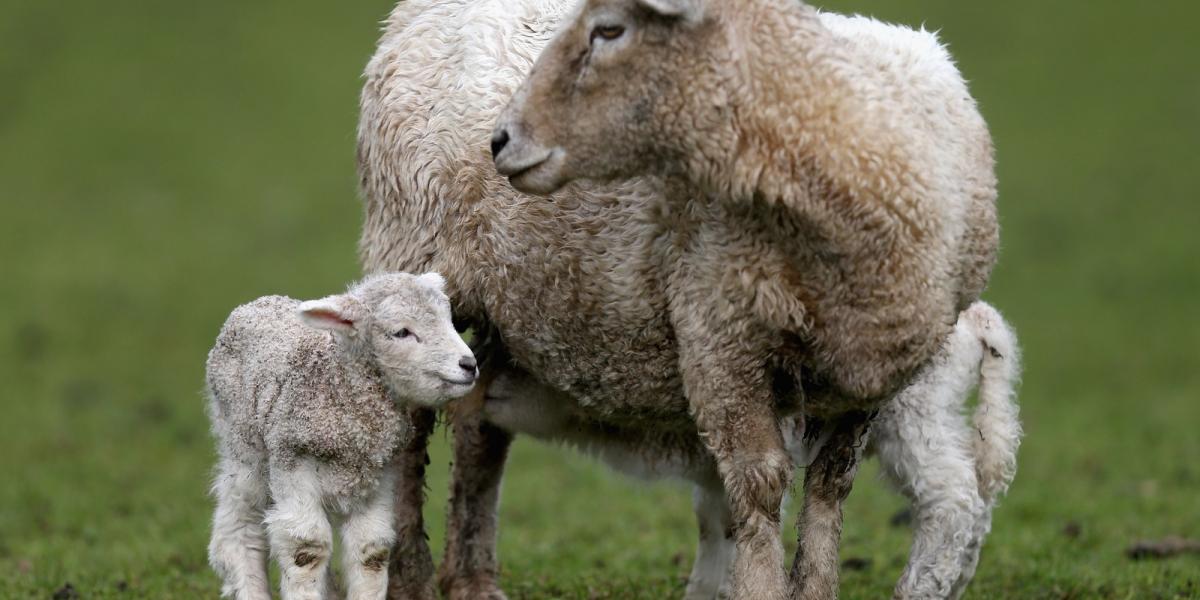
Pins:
<point x="162" y="162"/>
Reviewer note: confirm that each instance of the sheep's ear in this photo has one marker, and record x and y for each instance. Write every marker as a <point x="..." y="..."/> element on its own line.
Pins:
<point x="433" y="280"/>
<point x="675" y="9"/>
<point x="341" y="313"/>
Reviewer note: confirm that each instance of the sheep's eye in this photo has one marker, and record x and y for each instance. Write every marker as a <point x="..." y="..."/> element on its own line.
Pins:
<point x="403" y="333"/>
<point x="607" y="32"/>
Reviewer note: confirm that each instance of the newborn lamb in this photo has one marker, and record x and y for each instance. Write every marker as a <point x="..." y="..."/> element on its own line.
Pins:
<point x="304" y="399"/>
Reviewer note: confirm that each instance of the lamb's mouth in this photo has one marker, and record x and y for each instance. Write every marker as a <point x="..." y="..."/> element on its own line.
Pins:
<point x="468" y="381"/>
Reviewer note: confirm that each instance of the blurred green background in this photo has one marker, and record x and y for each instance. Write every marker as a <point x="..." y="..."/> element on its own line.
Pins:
<point x="162" y="162"/>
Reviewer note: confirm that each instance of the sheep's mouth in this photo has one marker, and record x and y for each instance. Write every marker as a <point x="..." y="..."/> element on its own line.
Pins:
<point x="467" y="381"/>
<point x="541" y="175"/>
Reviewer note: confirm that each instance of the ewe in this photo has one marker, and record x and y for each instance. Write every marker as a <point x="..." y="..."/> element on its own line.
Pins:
<point x="303" y="401"/>
<point x="584" y="290"/>
<point x="864" y="179"/>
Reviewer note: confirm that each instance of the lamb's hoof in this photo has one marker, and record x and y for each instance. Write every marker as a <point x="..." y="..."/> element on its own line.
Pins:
<point x="472" y="588"/>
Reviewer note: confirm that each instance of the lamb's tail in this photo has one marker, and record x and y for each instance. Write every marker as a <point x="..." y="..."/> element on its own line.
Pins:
<point x="996" y="420"/>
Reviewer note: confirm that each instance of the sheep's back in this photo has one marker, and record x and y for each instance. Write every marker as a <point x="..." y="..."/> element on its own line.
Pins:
<point x="914" y="76"/>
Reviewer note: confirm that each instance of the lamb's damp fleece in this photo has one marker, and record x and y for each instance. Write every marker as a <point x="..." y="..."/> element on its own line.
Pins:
<point x="304" y="403"/>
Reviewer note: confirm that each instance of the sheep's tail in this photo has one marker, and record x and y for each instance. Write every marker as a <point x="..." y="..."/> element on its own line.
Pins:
<point x="996" y="420"/>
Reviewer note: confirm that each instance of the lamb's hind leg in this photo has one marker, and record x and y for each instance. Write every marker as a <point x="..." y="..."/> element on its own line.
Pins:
<point x="827" y="482"/>
<point x="924" y="454"/>
<point x="714" y="551"/>
<point x="238" y="549"/>
<point x="925" y="449"/>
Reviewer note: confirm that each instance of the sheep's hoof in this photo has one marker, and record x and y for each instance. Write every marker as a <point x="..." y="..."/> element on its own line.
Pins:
<point x="474" y="590"/>
<point x="412" y="591"/>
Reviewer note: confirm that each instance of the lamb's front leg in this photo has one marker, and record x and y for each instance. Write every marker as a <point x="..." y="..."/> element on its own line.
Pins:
<point x="410" y="572"/>
<point x="469" y="567"/>
<point x="301" y="537"/>
<point x="734" y="411"/>
<point x="367" y="538"/>
<point x="827" y="482"/>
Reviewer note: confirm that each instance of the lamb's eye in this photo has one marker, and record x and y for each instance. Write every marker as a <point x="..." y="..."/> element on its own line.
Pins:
<point x="607" y="32"/>
<point x="403" y="333"/>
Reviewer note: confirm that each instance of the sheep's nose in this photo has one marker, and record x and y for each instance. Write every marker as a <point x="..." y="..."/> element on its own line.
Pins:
<point x="499" y="141"/>
<point x="468" y="364"/>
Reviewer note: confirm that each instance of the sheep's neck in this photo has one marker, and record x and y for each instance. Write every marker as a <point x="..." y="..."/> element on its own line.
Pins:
<point x="794" y="115"/>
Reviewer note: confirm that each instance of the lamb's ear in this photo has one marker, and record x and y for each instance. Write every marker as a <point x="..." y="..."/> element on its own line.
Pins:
<point x="342" y="313"/>
<point x="433" y="280"/>
<point x="675" y="9"/>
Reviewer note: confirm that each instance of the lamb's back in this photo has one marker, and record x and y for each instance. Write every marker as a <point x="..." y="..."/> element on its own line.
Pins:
<point x="281" y="390"/>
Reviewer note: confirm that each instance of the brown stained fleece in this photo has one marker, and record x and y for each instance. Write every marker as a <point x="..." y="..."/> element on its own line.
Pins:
<point x="303" y="559"/>
<point x="870" y="188"/>
<point x="378" y="560"/>
<point x="867" y="182"/>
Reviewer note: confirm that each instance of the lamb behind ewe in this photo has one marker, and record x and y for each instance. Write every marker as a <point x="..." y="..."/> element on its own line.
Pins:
<point x="303" y="401"/>
<point x="867" y="182"/>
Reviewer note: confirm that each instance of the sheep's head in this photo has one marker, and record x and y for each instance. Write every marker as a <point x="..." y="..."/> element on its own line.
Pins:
<point x="613" y="95"/>
<point x="401" y="324"/>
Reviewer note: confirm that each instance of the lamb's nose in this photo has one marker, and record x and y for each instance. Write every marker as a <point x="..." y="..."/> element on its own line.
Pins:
<point x="499" y="141"/>
<point x="468" y="364"/>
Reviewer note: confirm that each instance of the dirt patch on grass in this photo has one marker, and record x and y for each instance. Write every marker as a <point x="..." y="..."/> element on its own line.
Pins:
<point x="1164" y="548"/>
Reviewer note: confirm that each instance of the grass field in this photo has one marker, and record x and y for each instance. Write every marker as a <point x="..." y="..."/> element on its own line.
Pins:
<point x="162" y="162"/>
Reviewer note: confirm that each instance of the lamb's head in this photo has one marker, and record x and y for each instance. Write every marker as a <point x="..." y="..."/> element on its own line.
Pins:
<point x="615" y="94"/>
<point x="401" y="324"/>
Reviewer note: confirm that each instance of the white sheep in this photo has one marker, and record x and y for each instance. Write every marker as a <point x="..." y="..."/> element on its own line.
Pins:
<point x="303" y="401"/>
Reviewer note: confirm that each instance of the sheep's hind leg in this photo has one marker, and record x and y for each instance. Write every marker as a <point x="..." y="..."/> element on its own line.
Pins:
<point x="410" y="572"/>
<point x="469" y="567"/>
<point x="301" y="537"/>
<point x="238" y="549"/>
<point x="827" y="482"/>
<point x="714" y="551"/>
<point x="367" y="537"/>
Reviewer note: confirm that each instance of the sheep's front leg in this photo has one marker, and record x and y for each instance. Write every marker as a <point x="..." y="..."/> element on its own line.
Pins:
<point x="827" y="483"/>
<point x="714" y="552"/>
<point x="410" y="573"/>
<point x="367" y="538"/>
<point x="469" y="569"/>
<point x="734" y="412"/>
<point x="301" y="537"/>
<point x="238" y="549"/>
